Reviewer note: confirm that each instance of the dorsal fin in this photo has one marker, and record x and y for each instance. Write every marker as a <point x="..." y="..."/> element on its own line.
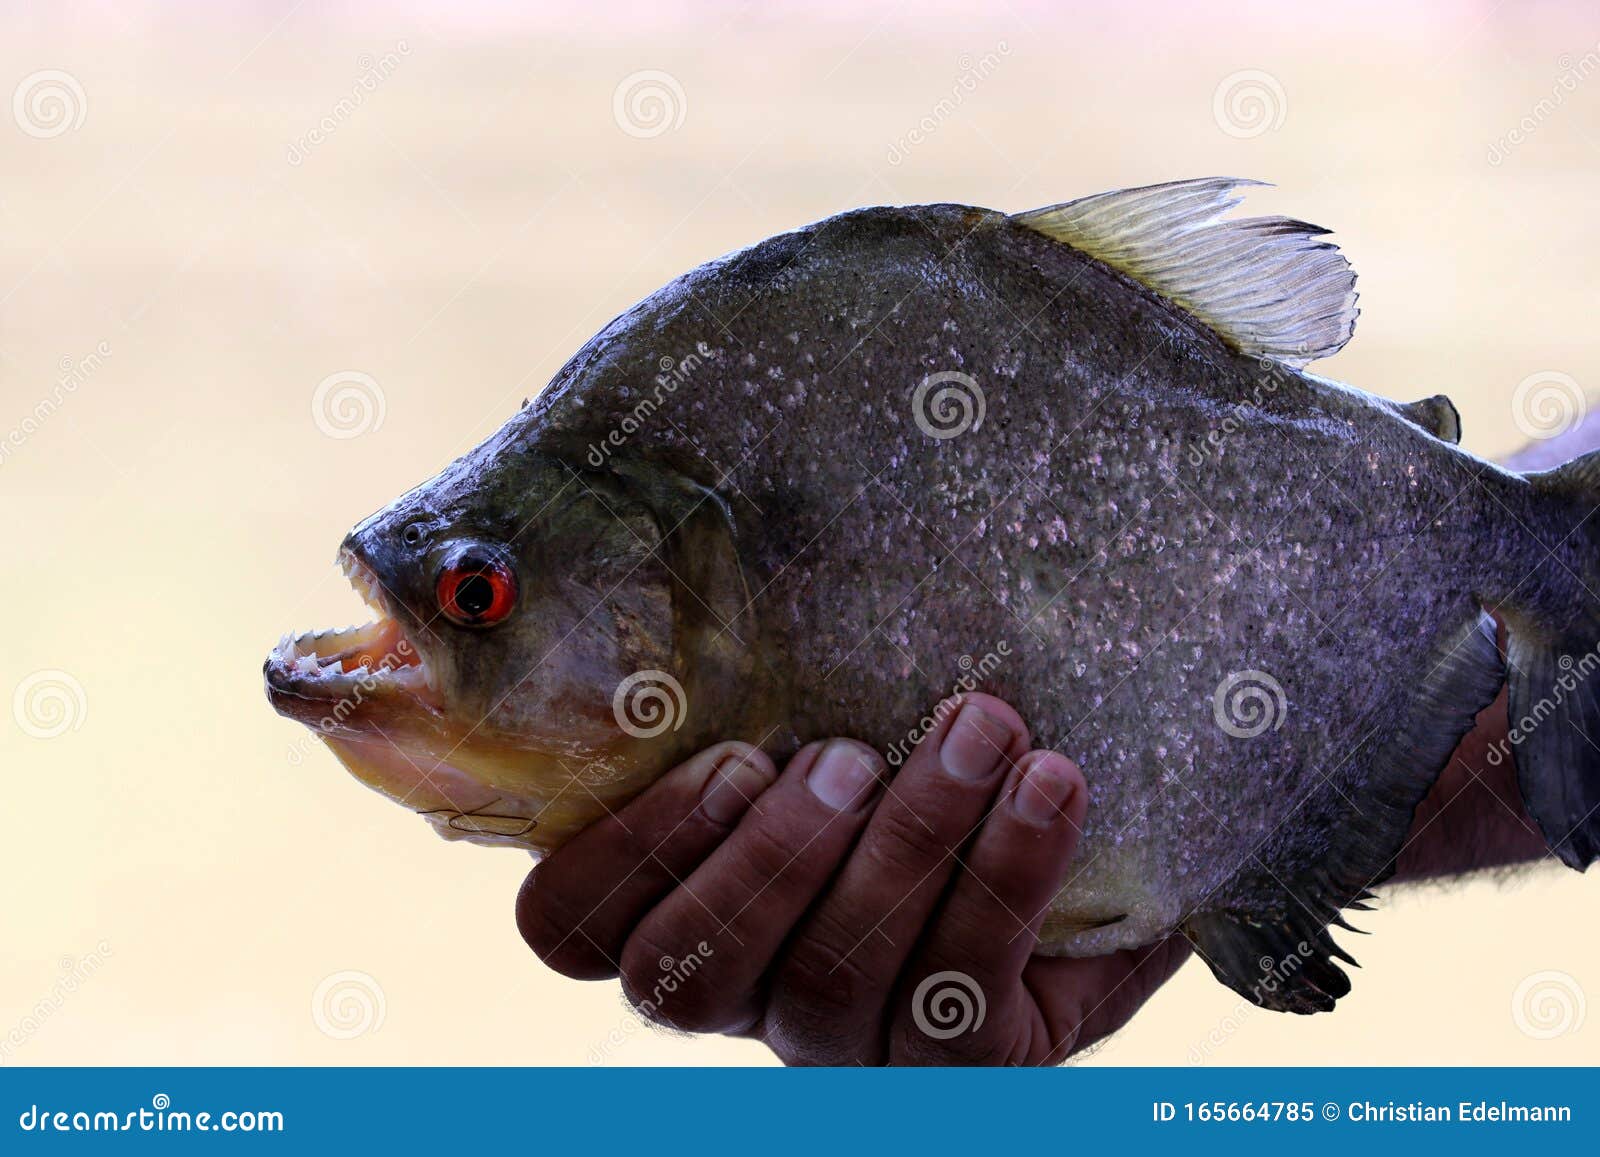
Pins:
<point x="1266" y="285"/>
<point x="1437" y="415"/>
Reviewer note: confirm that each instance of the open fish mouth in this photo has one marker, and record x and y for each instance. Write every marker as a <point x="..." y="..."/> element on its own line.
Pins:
<point x="336" y="680"/>
<point x="370" y="695"/>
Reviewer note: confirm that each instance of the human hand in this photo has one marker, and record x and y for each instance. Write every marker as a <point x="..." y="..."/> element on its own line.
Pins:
<point x="841" y="917"/>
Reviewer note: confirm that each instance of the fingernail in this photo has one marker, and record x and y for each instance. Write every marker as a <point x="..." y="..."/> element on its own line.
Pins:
<point x="975" y="746"/>
<point x="843" y="776"/>
<point x="732" y="788"/>
<point x="1041" y="797"/>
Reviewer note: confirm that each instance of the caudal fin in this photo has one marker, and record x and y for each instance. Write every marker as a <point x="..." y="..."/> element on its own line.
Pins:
<point x="1554" y="677"/>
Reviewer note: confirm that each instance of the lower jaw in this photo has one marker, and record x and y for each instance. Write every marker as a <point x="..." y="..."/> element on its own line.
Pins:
<point x="466" y="798"/>
<point x="458" y="806"/>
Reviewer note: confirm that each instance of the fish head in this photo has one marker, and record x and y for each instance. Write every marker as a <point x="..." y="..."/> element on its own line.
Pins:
<point x="549" y="637"/>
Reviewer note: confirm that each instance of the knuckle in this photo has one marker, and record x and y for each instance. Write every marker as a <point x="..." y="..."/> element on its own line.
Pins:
<point x="953" y="1018"/>
<point x="768" y="856"/>
<point x="556" y="933"/>
<point x="641" y="843"/>
<point x="910" y="1045"/>
<point x="821" y="988"/>
<point x="906" y="843"/>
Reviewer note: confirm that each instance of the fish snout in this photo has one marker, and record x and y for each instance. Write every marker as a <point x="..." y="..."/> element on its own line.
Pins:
<point x="377" y="558"/>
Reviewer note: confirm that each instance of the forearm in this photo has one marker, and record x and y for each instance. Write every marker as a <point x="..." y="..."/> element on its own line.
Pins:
<point x="1474" y="817"/>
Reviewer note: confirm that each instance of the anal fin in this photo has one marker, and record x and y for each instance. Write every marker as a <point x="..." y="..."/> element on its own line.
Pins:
<point x="1269" y="938"/>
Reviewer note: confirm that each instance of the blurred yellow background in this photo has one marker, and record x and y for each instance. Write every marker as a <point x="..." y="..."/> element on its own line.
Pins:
<point x="207" y="211"/>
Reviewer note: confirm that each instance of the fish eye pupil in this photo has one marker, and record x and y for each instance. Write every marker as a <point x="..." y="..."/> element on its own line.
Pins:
<point x="412" y="534"/>
<point x="475" y="595"/>
<point x="476" y="591"/>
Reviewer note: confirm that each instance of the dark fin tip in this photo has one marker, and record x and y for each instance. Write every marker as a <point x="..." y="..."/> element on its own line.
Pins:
<point x="1273" y="947"/>
<point x="1436" y="415"/>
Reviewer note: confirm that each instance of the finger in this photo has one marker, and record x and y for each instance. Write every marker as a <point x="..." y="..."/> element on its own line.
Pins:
<point x="989" y="924"/>
<point x="734" y="912"/>
<point x="577" y="908"/>
<point x="1085" y="1000"/>
<point x="833" y="982"/>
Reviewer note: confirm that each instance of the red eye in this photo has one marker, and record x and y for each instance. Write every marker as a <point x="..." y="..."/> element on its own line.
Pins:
<point x="476" y="591"/>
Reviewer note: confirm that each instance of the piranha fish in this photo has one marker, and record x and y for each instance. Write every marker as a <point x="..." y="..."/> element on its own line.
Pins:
<point x="1070" y="457"/>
